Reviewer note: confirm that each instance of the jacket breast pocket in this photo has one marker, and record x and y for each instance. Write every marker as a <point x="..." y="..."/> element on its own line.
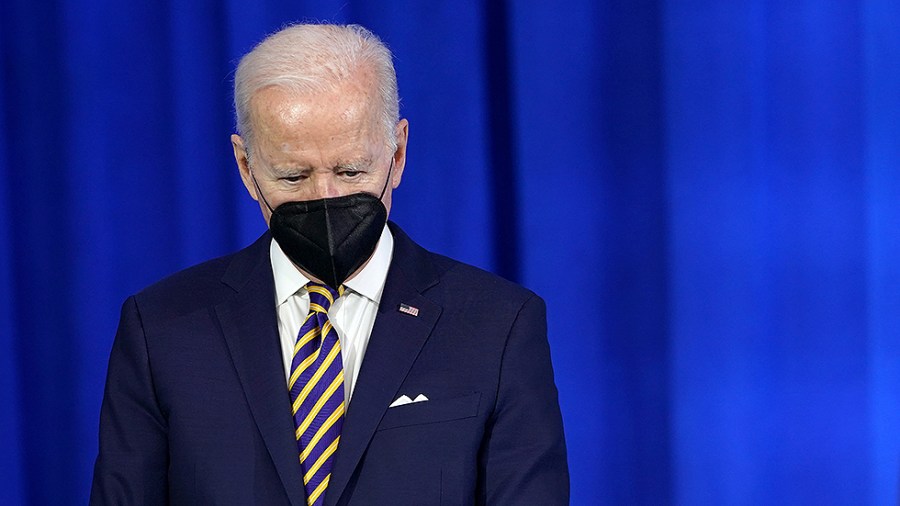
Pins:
<point x="431" y="411"/>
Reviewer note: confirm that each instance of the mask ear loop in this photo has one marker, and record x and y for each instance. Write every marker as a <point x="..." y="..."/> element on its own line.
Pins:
<point x="384" y="188"/>
<point x="259" y="191"/>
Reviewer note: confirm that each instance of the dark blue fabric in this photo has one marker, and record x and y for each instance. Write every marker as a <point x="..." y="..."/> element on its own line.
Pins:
<point x="195" y="410"/>
<point x="706" y="193"/>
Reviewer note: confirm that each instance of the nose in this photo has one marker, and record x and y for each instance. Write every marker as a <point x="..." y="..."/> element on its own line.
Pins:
<point x="324" y="186"/>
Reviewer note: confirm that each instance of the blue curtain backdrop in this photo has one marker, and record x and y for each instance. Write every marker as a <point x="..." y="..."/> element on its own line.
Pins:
<point x="706" y="193"/>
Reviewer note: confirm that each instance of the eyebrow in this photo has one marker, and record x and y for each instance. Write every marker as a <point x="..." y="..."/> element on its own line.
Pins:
<point x="288" y="169"/>
<point x="294" y="168"/>
<point x="357" y="164"/>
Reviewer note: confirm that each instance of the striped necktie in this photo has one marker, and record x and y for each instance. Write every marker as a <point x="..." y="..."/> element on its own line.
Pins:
<point x="317" y="392"/>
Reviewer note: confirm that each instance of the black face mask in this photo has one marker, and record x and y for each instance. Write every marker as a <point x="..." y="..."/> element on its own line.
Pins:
<point x="332" y="237"/>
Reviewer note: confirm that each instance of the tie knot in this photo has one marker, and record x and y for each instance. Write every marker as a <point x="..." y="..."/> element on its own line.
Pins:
<point x="321" y="297"/>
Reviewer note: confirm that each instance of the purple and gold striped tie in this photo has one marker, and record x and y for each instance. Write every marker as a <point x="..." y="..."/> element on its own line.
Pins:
<point x="317" y="392"/>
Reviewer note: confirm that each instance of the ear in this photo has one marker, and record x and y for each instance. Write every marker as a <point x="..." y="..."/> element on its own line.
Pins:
<point x="243" y="163"/>
<point x="401" y="134"/>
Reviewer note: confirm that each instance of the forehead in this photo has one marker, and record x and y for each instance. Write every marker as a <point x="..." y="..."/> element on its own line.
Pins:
<point x="321" y="128"/>
<point x="347" y="104"/>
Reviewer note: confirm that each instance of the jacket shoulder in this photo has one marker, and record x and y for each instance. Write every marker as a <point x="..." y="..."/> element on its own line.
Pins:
<point x="450" y="280"/>
<point x="476" y="278"/>
<point x="202" y="285"/>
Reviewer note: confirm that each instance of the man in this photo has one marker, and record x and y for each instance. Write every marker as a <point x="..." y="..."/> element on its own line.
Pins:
<point x="334" y="361"/>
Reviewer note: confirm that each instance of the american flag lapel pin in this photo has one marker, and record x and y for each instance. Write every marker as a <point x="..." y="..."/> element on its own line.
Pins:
<point x="406" y="308"/>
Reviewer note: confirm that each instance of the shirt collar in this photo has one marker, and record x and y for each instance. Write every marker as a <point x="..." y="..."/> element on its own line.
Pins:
<point x="369" y="282"/>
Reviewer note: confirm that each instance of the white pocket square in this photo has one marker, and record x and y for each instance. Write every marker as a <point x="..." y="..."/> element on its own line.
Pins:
<point x="404" y="399"/>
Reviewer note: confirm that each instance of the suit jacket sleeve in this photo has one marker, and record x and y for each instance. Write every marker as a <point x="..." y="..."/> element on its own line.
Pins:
<point x="523" y="458"/>
<point x="132" y="464"/>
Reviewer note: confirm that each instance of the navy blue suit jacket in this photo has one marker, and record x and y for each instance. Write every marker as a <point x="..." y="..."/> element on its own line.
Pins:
<point x="196" y="410"/>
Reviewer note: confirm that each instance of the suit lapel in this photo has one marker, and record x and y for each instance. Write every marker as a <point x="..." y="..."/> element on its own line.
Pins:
<point x="395" y="342"/>
<point x="248" y="322"/>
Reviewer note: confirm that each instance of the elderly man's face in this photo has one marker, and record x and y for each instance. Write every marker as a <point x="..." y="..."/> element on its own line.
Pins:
<point x="319" y="145"/>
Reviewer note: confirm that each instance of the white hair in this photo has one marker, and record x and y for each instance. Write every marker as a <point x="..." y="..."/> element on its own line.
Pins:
<point x="314" y="58"/>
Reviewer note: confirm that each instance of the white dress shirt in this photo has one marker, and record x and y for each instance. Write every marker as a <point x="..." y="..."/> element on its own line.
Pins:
<point x="352" y="315"/>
